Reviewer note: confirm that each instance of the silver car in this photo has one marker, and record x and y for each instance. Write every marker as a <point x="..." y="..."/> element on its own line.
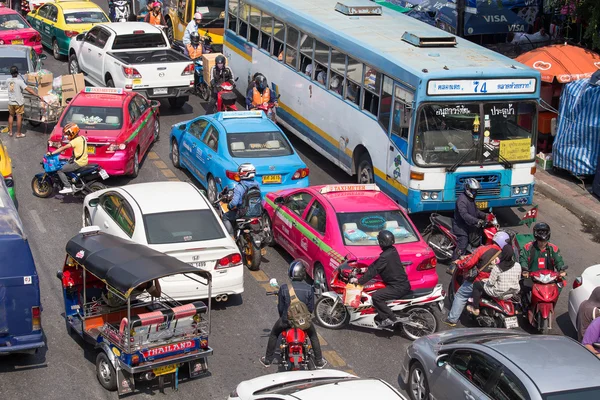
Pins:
<point x="499" y="364"/>
<point x="24" y="58"/>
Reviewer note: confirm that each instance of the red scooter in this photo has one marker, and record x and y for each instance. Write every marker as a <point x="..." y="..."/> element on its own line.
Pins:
<point x="542" y="298"/>
<point x="226" y="99"/>
<point x="443" y="241"/>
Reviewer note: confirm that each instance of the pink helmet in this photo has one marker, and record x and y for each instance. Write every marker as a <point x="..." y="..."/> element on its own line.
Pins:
<point x="197" y="16"/>
<point x="156" y="4"/>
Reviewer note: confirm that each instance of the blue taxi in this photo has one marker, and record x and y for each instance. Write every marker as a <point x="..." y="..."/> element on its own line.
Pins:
<point x="213" y="146"/>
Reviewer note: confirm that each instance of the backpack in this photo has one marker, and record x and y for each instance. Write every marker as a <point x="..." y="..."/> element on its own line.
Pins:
<point x="298" y="314"/>
<point x="252" y="202"/>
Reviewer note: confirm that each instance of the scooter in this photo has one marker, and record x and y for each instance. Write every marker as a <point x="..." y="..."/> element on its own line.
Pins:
<point x="542" y="298"/>
<point x="86" y="180"/>
<point x="269" y="109"/>
<point x="201" y="88"/>
<point x="415" y="310"/>
<point x="226" y="99"/>
<point x="296" y="349"/>
<point x="119" y="10"/>
<point x="443" y="241"/>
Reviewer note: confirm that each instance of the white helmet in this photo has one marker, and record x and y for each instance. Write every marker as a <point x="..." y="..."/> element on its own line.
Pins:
<point x="246" y="171"/>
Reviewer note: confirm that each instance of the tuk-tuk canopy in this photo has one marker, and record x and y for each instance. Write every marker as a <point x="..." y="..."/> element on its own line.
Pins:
<point x="123" y="264"/>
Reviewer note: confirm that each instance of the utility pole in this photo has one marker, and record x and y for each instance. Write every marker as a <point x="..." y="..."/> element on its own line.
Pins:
<point x="460" y="17"/>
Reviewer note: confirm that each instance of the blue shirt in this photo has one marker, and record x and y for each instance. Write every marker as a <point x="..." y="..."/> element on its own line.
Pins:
<point x="191" y="27"/>
<point x="238" y="192"/>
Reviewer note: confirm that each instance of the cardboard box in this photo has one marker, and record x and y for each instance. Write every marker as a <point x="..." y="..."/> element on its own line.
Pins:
<point x="71" y="85"/>
<point x="208" y="61"/>
<point x="43" y="83"/>
<point x="542" y="163"/>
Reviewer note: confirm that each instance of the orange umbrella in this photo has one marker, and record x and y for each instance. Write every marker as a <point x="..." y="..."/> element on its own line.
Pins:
<point x="564" y="62"/>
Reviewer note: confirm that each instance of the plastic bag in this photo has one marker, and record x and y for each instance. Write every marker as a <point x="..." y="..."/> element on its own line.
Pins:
<point x="57" y="84"/>
<point x="352" y="295"/>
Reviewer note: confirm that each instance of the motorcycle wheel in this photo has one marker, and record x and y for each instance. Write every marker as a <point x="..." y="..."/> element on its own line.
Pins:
<point x="425" y="318"/>
<point x="42" y="187"/>
<point x="328" y="317"/>
<point x="204" y="91"/>
<point x="441" y="245"/>
<point x="252" y="255"/>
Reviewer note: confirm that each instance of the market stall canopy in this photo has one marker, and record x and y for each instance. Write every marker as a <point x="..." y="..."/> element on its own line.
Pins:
<point x="562" y="62"/>
<point x="123" y="264"/>
<point x="490" y="18"/>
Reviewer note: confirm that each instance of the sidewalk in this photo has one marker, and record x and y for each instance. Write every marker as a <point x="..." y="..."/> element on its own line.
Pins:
<point x="569" y="193"/>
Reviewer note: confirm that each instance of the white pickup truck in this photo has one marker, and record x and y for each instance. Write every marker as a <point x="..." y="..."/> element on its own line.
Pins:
<point x="135" y="56"/>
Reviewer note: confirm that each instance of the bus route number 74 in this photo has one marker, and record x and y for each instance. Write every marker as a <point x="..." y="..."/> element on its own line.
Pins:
<point x="482" y="89"/>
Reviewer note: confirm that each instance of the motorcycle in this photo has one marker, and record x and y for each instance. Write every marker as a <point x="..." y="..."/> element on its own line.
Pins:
<point x="443" y="241"/>
<point x="414" y="309"/>
<point x="296" y="349"/>
<point x="201" y="88"/>
<point x="270" y="109"/>
<point x="119" y="10"/>
<point x="86" y="180"/>
<point x="542" y="298"/>
<point x="226" y="99"/>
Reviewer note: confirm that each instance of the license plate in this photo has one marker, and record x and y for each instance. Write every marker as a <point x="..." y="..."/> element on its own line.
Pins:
<point x="481" y="204"/>
<point x="511" y="322"/>
<point x="16" y="42"/>
<point x="103" y="174"/>
<point x="161" y="91"/>
<point x="199" y="264"/>
<point x="137" y="81"/>
<point x="169" y="369"/>
<point x="271" y="179"/>
<point x="91" y="149"/>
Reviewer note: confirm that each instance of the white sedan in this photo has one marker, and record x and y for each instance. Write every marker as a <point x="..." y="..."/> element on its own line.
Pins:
<point x="583" y="286"/>
<point x="177" y="219"/>
<point x="314" y="385"/>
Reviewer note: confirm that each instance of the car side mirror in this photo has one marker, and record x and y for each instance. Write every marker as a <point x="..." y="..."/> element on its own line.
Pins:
<point x="182" y="127"/>
<point x="59" y="275"/>
<point x="154" y="103"/>
<point x="94" y="202"/>
<point x="203" y="192"/>
<point x="79" y="37"/>
<point x="42" y="57"/>
<point x="441" y="360"/>
<point x="279" y="200"/>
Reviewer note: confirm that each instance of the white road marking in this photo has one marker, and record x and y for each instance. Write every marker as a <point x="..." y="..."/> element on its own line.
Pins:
<point x="37" y="220"/>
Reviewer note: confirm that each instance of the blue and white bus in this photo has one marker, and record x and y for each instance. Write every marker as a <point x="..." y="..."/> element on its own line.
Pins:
<point x="392" y="100"/>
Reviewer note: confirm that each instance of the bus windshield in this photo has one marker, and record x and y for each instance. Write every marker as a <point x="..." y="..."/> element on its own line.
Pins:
<point x="473" y="133"/>
<point x="213" y="13"/>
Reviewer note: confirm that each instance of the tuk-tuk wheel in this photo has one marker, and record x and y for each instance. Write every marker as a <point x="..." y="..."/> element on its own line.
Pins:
<point x="105" y="372"/>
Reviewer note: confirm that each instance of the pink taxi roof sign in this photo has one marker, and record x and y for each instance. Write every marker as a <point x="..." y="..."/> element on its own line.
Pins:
<point x="102" y="90"/>
<point x="350" y="188"/>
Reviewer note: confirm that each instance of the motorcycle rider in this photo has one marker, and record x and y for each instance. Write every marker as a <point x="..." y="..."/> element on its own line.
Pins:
<point x="194" y="48"/>
<point x="155" y="16"/>
<point x="467" y="219"/>
<point x="77" y="161"/>
<point x="193" y="26"/>
<point x="389" y="267"/>
<point x="219" y="74"/>
<point x="259" y="93"/>
<point x="305" y="294"/>
<point x="247" y="200"/>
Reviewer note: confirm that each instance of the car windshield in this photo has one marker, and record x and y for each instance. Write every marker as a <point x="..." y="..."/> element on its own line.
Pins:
<point x="139" y="41"/>
<point x="85" y="17"/>
<point x="580" y="394"/>
<point x="7" y="62"/>
<point x="474" y="133"/>
<point x="182" y="226"/>
<point x="361" y="228"/>
<point x="12" y="21"/>
<point x="258" y="144"/>
<point x="94" y="118"/>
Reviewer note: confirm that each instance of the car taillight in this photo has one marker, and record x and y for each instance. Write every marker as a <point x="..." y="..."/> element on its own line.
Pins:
<point x="36" y="319"/>
<point x="427" y="264"/>
<point x="135" y="359"/>
<point x="233" y="175"/>
<point x="8" y="180"/>
<point x="36" y="38"/>
<point x="231" y="260"/>
<point x="577" y="282"/>
<point x="71" y="34"/>
<point x="189" y="69"/>
<point x="131" y="73"/>
<point x="114" y="147"/>
<point x="301" y="173"/>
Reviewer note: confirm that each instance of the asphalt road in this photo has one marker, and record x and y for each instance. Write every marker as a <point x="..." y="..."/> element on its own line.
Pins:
<point x="239" y="327"/>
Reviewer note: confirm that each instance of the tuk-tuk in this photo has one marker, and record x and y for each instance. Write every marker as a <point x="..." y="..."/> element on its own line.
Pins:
<point x="113" y="301"/>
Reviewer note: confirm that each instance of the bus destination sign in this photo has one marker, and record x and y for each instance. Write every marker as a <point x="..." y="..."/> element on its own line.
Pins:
<point x="480" y="86"/>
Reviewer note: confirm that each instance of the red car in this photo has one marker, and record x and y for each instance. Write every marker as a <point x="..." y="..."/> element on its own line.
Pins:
<point x="14" y="29"/>
<point x="119" y="127"/>
<point x="324" y="224"/>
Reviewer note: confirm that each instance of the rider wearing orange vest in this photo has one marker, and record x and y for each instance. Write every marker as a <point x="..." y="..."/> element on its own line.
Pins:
<point x="259" y="93"/>
<point x="194" y="49"/>
<point x="154" y="16"/>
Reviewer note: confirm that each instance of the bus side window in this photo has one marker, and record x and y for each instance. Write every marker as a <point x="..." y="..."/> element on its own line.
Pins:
<point x="291" y="48"/>
<point x="243" y="17"/>
<point x="322" y="62"/>
<point x="354" y="74"/>
<point x="306" y="55"/>
<point x="372" y="83"/>
<point x="266" y="28"/>
<point x="400" y="119"/>
<point x="338" y="71"/>
<point x="278" y="36"/>
<point x="254" y="25"/>
<point x="386" y="103"/>
<point x="232" y="13"/>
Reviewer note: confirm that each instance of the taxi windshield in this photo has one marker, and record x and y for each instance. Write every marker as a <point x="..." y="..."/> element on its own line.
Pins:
<point x="94" y="118"/>
<point x="258" y="144"/>
<point x="361" y="228"/>
<point x="12" y="21"/>
<point x="85" y="17"/>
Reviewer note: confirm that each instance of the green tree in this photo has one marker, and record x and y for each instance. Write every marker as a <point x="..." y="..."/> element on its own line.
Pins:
<point x="589" y="11"/>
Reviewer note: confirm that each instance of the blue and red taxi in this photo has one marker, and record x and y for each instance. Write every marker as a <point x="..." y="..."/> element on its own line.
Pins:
<point x="119" y="127"/>
<point x="324" y="224"/>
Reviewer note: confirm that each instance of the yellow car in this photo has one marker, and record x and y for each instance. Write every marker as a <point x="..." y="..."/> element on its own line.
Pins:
<point x="59" y="21"/>
<point x="6" y="170"/>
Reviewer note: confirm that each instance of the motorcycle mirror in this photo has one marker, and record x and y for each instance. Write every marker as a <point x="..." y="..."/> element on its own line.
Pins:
<point x="93" y="202"/>
<point x="237" y="78"/>
<point x="279" y="200"/>
<point x="59" y="275"/>
<point x="441" y="360"/>
<point x="273" y="282"/>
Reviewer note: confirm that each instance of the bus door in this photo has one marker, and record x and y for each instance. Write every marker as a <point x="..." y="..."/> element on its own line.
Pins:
<point x="398" y="168"/>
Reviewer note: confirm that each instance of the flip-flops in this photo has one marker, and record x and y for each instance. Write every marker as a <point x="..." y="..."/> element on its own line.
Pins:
<point x="20" y="135"/>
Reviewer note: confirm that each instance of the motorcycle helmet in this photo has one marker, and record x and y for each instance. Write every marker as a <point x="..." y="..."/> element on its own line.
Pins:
<point x="471" y="186"/>
<point x="297" y="271"/>
<point x="197" y="17"/>
<point x="156" y="4"/>
<point x="220" y="62"/>
<point x="260" y="81"/>
<point x="501" y="238"/>
<point x="541" y="231"/>
<point x="195" y="38"/>
<point x="71" y="130"/>
<point x="385" y="239"/>
<point x="246" y="171"/>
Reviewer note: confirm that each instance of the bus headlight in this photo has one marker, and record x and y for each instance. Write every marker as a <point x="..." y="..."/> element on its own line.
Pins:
<point x="520" y="190"/>
<point x="430" y="195"/>
<point x="424" y="195"/>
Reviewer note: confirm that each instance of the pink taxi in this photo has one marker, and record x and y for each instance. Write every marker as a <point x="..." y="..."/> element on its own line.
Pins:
<point x="324" y="224"/>
<point x="119" y="127"/>
<point x="14" y="29"/>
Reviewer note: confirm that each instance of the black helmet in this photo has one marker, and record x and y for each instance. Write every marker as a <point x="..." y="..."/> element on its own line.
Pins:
<point x="471" y="186"/>
<point x="541" y="231"/>
<point x="386" y="239"/>
<point x="297" y="270"/>
<point x="220" y="60"/>
<point x="14" y="71"/>
<point x="260" y="81"/>
<point x="195" y="38"/>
